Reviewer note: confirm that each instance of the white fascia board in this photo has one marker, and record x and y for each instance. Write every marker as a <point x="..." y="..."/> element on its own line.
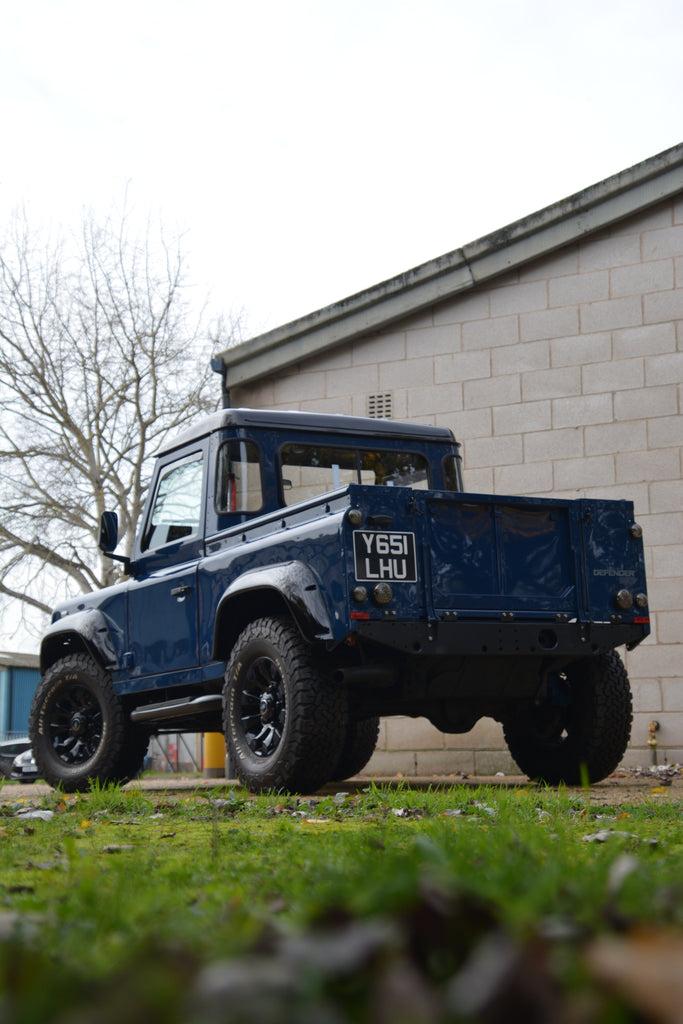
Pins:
<point x="343" y="322"/>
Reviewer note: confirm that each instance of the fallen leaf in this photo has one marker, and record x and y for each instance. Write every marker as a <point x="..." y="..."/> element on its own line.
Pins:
<point x="606" y="834"/>
<point x="486" y="808"/>
<point x="645" y="969"/>
<point x="502" y="980"/>
<point x="14" y="924"/>
<point x="35" y="815"/>
<point x="620" y="870"/>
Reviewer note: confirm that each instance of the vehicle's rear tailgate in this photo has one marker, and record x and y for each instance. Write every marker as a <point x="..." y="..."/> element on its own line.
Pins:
<point x="529" y="556"/>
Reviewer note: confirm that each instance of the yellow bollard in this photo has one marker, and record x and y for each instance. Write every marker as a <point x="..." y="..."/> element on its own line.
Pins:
<point x="214" y="755"/>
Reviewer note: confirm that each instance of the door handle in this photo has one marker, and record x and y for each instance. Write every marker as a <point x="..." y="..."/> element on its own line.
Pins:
<point x="181" y="591"/>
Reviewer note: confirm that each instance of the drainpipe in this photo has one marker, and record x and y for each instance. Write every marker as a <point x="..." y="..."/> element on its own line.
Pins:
<point x="652" y="729"/>
<point x="5" y="699"/>
<point x="218" y="366"/>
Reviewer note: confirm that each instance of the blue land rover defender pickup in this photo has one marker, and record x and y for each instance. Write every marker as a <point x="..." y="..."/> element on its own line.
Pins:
<point x="296" y="576"/>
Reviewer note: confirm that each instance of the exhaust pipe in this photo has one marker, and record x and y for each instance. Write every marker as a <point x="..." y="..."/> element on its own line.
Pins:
<point x="365" y="675"/>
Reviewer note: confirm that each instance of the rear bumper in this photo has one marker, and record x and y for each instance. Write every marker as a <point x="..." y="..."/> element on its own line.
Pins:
<point x="465" y="637"/>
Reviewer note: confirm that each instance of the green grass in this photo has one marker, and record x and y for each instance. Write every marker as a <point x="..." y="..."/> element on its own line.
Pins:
<point x="125" y="901"/>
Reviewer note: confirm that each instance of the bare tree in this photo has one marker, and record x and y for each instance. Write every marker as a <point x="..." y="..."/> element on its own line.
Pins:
<point x="102" y="355"/>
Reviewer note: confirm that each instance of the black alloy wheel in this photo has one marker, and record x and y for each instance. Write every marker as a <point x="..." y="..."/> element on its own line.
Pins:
<point x="262" y="707"/>
<point x="74" y="724"/>
<point x="284" y="718"/>
<point x="79" y="730"/>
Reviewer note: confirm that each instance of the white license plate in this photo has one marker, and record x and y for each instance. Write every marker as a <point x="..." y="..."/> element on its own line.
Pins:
<point x="384" y="556"/>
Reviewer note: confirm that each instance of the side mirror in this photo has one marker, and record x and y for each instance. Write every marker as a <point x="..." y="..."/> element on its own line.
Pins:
<point x="109" y="532"/>
<point x="109" y="538"/>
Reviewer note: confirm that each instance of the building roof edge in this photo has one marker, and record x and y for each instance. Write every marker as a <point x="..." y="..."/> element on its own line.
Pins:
<point x="540" y="233"/>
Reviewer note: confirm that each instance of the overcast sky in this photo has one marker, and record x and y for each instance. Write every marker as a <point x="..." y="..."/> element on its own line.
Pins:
<point x="309" y="149"/>
<point x="312" y="148"/>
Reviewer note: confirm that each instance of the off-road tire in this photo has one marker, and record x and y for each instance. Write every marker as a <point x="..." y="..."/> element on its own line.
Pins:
<point x="582" y="737"/>
<point x="133" y="754"/>
<point x="78" y="728"/>
<point x="284" y="719"/>
<point x="359" y="746"/>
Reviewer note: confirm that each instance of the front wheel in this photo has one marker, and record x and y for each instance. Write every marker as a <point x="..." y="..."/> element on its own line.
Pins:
<point x="284" y="720"/>
<point x="581" y="731"/>
<point x="78" y="728"/>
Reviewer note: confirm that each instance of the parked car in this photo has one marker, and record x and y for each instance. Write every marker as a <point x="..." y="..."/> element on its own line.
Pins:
<point x="24" y="767"/>
<point x="9" y="751"/>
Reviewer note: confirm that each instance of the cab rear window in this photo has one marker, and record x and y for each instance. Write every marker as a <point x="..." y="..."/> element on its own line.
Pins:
<point x="310" y="470"/>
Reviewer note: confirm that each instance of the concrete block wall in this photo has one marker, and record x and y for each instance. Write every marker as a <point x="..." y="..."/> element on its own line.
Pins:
<point x="565" y="379"/>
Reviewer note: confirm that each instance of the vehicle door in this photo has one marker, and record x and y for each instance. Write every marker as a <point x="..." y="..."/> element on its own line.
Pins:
<point x="163" y="604"/>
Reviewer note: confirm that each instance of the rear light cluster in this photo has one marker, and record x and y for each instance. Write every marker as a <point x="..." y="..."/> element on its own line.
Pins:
<point x="623" y="598"/>
<point x="381" y="593"/>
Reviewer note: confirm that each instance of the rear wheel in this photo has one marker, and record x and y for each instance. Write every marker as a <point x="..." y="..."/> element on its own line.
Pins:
<point x="284" y="720"/>
<point x="359" y="746"/>
<point x="580" y="733"/>
<point x="79" y="731"/>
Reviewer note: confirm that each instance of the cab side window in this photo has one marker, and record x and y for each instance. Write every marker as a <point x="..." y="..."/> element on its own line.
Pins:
<point x="177" y="510"/>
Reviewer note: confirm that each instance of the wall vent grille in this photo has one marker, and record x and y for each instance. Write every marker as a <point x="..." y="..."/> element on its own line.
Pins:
<point x="379" y="406"/>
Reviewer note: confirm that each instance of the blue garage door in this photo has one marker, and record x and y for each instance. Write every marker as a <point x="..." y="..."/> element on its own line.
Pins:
<point x="23" y="685"/>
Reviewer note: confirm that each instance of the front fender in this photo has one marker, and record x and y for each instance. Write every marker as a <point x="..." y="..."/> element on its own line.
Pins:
<point x="86" y="630"/>
<point x="295" y="584"/>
